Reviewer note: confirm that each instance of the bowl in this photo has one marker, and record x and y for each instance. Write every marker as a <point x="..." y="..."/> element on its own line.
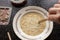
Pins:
<point x="17" y="27"/>
<point x="18" y="3"/>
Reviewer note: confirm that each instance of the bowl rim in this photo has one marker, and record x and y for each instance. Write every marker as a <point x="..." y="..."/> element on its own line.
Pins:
<point x="28" y="36"/>
<point x="17" y="1"/>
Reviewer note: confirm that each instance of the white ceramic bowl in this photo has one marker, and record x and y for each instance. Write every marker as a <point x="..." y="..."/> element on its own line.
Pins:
<point x="21" y="34"/>
<point x="17" y="1"/>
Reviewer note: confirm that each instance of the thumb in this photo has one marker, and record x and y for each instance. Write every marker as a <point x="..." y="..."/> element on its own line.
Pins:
<point x="52" y="17"/>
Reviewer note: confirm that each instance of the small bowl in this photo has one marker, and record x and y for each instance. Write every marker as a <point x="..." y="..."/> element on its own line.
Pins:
<point x="18" y="3"/>
<point x="21" y="34"/>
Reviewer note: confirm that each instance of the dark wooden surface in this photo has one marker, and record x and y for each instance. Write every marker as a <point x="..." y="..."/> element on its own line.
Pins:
<point x="46" y="4"/>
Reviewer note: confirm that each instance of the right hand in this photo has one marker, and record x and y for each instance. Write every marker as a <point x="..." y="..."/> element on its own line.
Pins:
<point x="54" y="13"/>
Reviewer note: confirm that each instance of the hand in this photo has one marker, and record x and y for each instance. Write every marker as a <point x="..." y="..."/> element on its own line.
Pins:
<point x="54" y="13"/>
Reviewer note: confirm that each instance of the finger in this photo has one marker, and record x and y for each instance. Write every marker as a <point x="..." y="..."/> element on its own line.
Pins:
<point x="52" y="17"/>
<point x="57" y="5"/>
<point x="57" y="19"/>
<point x="52" y="11"/>
<point x="58" y="1"/>
<point x="58" y="12"/>
<point x="58" y="16"/>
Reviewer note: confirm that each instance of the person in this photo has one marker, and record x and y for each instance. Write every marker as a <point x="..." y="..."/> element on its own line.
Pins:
<point x="54" y="13"/>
